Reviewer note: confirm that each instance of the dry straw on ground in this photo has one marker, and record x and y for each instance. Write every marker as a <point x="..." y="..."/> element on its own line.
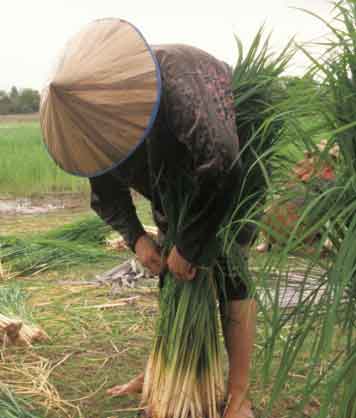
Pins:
<point x="29" y="377"/>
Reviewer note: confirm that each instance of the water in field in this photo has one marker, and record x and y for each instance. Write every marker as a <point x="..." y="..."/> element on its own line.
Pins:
<point x="27" y="206"/>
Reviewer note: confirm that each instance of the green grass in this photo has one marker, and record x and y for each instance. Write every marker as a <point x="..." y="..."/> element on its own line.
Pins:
<point x="25" y="166"/>
<point x="143" y="208"/>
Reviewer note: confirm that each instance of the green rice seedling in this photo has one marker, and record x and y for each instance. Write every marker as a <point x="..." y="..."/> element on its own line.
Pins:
<point x="12" y="407"/>
<point x="260" y="120"/>
<point x="13" y="302"/>
<point x="337" y="71"/>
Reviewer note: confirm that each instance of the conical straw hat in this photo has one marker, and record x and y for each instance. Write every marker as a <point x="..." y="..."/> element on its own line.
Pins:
<point x="102" y="100"/>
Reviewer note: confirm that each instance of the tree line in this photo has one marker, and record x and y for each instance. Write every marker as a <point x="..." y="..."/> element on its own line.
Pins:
<point x="19" y="101"/>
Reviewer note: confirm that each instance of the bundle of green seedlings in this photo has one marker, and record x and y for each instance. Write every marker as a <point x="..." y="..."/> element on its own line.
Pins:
<point x="16" y="322"/>
<point x="12" y="407"/>
<point x="184" y="376"/>
<point x="70" y="245"/>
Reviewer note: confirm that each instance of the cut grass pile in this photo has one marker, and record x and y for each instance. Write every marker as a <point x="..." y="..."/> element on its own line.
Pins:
<point x="90" y="230"/>
<point x="25" y="166"/>
<point x="65" y="246"/>
<point x="32" y="255"/>
<point x="13" y="303"/>
<point x="59" y="247"/>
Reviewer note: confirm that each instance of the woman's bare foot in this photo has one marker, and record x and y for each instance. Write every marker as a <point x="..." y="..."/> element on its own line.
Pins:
<point x="133" y="386"/>
<point x="238" y="410"/>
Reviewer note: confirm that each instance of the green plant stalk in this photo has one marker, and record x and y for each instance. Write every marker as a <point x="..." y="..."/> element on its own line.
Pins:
<point x="12" y="407"/>
<point x="13" y="302"/>
<point x="325" y="325"/>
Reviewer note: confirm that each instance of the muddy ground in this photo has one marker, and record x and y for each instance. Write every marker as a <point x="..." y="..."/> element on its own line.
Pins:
<point x="31" y="117"/>
<point x="40" y="213"/>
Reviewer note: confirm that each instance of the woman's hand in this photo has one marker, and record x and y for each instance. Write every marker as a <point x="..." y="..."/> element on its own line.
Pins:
<point x="149" y="255"/>
<point x="179" y="266"/>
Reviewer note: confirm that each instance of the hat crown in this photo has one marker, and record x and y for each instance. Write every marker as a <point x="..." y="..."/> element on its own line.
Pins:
<point x="102" y="99"/>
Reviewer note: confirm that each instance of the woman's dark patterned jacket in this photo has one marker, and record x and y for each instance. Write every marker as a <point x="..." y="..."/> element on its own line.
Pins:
<point x="194" y="134"/>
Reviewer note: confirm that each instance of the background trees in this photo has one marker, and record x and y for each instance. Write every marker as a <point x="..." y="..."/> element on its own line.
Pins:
<point x="19" y="101"/>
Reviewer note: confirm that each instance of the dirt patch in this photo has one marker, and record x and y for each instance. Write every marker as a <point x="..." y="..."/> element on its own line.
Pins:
<point x="31" y="117"/>
<point x="39" y="214"/>
<point x="40" y="205"/>
<point x="25" y="206"/>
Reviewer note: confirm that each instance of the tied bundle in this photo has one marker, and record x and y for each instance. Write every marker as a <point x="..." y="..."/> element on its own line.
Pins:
<point x="184" y="375"/>
<point x="14" y="331"/>
<point x="16" y="323"/>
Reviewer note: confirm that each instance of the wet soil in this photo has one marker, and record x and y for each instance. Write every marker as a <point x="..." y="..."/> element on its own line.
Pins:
<point x="30" y="117"/>
<point x="42" y="204"/>
<point x="40" y="213"/>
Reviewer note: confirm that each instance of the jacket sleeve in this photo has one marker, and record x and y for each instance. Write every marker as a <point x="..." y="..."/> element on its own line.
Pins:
<point x="112" y="201"/>
<point x="211" y="205"/>
<point x="202" y="117"/>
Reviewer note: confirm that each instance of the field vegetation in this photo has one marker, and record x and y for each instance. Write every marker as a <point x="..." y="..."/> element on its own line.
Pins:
<point x="305" y="352"/>
<point x="25" y="167"/>
<point x="24" y="101"/>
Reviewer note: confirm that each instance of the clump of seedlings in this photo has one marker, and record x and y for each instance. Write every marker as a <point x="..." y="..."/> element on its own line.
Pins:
<point x="16" y="322"/>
